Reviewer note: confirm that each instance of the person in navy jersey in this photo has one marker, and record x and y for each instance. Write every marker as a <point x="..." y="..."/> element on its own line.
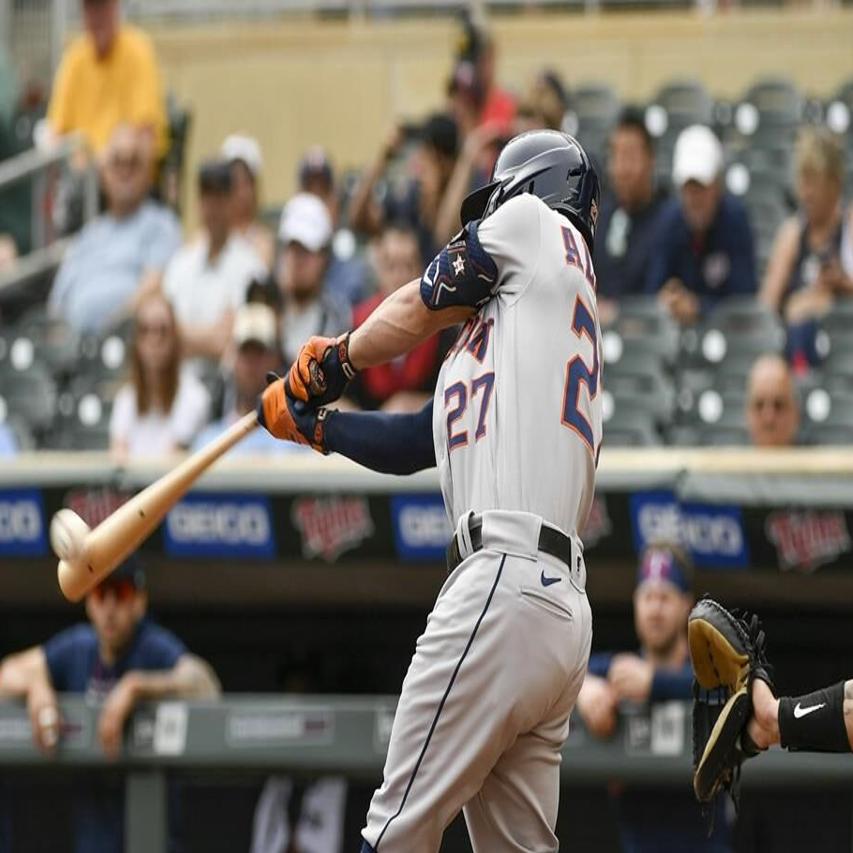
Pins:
<point x="653" y="820"/>
<point x="629" y="212"/>
<point x="118" y="659"/>
<point x="703" y="249"/>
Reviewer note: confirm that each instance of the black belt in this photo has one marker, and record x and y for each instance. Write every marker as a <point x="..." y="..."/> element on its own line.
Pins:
<point x="551" y="541"/>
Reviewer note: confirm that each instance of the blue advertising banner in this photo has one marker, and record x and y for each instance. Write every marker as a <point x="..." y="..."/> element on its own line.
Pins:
<point x="220" y="525"/>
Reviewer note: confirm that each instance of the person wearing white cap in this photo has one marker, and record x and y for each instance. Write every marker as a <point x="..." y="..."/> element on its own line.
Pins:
<point x="703" y="250"/>
<point x="305" y="234"/>
<point x="243" y="153"/>
<point x="256" y="353"/>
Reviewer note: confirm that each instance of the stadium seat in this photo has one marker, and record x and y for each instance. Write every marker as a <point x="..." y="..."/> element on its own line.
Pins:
<point x="715" y="418"/>
<point x="83" y="420"/>
<point x="838" y="371"/>
<point x="627" y="424"/>
<point x="828" y="417"/>
<point x="777" y="101"/>
<point x="55" y="343"/>
<point x="640" y="326"/>
<point x="685" y="102"/>
<point x="837" y="325"/>
<point x="31" y="396"/>
<point x="739" y="328"/>
<point x="103" y="358"/>
<point x="642" y="382"/>
<point x="594" y="109"/>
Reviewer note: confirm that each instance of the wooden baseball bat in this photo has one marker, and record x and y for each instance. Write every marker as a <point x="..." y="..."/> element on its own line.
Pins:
<point x="121" y="533"/>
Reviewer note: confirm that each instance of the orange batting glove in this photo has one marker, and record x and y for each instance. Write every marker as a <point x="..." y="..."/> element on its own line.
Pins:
<point x="321" y="371"/>
<point x="288" y="419"/>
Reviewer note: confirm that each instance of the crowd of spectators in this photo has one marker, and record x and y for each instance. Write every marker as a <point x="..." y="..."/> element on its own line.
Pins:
<point x="670" y="231"/>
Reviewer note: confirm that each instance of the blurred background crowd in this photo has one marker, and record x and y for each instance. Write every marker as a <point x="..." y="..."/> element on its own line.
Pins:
<point x="173" y="229"/>
<point x="724" y="252"/>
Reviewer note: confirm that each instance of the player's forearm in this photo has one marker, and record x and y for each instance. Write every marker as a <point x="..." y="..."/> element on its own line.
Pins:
<point x="390" y="444"/>
<point x="669" y="684"/>
<point x="398" y="325"/>
<point x="190" y="678"/>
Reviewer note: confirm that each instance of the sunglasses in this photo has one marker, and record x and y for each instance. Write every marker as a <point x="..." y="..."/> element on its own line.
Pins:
<point x="124" y="590"/>
<point x="777" y="404"/>
<point x="125" y="161"/>
<point x="162" y="330"/>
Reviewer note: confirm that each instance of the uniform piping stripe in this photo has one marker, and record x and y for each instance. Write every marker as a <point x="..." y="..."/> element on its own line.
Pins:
<point x="441" y="705"/>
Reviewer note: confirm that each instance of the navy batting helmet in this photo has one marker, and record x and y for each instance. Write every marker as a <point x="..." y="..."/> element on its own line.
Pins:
<point x="549" y="164"/>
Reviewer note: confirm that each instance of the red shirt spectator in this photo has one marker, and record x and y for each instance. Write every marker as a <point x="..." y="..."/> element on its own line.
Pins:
<point x="405" y="384"/>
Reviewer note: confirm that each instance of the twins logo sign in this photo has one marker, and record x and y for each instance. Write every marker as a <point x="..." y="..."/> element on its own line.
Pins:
<point x="713" y="534"/>
<point x="330" y="526"/>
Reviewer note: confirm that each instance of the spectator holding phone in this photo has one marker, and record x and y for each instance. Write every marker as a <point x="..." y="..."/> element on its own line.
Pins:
<point x="414" y="201"/>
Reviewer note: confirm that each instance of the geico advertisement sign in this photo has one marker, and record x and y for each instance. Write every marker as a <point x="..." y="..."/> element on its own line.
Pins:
<point x="221" y="525"/>
<point x="713" y="534"/>
<point x="421" y="528"/>
<point x="22" y="528"/>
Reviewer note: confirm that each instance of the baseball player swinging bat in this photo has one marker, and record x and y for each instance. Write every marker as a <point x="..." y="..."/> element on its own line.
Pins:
<point x="88" y="556"/>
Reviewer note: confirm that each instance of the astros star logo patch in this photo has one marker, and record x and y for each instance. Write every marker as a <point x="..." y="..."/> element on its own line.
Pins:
<point x="459" y="265"/>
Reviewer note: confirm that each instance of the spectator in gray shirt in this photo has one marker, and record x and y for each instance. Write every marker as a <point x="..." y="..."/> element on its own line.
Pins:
<point x="120" y="255"/>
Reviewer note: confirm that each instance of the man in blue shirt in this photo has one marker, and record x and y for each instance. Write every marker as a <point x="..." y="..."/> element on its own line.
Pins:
<point x="703" y="250"/>
<point x="119" y="659"/>
<point x="630" y="210"/>
<point x="652" y="820"/>
<point x="122" y="253"/>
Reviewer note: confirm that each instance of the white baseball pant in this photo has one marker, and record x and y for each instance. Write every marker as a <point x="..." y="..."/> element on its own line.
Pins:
<point x="484" y="709"/>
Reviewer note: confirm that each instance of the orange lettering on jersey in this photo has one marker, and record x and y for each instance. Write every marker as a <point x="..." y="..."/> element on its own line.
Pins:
<point x="578" y="257"/>
<point x="479" y="340"/>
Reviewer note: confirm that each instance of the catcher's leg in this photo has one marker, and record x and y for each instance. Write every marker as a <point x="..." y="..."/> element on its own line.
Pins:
<point x="819" y="722"/>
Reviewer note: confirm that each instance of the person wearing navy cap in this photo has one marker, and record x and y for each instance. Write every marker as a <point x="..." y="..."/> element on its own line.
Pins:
<point x="119" y="658"/>
<point x="652" y="820"/>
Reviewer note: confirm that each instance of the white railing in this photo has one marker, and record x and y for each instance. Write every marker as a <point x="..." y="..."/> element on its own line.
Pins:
<point x="45" y="168"/>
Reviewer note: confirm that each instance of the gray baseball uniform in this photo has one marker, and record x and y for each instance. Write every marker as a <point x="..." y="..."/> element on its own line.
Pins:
<point x="485" y="705"/>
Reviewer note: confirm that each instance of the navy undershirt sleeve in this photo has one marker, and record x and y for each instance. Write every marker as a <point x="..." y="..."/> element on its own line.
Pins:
<point x="599" y="664"/>
<point x="671" y="684"/>
<point x="390" y="444"/>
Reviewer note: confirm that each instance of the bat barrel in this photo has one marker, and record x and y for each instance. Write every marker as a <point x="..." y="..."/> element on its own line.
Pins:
<point x="120" y="534"/>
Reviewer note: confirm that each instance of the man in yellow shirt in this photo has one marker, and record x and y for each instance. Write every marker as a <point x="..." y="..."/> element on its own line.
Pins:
<point x="108" y="76"/>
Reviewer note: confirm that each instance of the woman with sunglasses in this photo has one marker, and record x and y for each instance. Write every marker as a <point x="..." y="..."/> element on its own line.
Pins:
<point x="163" y="406"/>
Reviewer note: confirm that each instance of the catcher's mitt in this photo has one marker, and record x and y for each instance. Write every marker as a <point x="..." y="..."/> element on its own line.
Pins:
<point x="727" y="653"/>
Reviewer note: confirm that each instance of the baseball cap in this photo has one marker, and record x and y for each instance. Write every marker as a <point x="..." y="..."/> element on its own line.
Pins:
<point x="306" y="220"/>
<point x="667" y="564"/>
<point x="698" y="156"/>
<point x="315" y="164"/>
<point x="214" y="176"/>
<point x="245" y="148"/>
<point x="255" y="322"/>
<point x="130" y="570"/>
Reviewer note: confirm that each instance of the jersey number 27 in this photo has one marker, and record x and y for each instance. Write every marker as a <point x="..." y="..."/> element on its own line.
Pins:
<point x="577" y="371"/>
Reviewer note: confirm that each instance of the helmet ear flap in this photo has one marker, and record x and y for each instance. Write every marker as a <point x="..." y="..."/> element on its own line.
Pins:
<point x="477" y="204"/>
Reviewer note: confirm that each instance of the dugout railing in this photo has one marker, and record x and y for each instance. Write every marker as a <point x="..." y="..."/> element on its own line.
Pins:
<point x="347" y="736"/>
